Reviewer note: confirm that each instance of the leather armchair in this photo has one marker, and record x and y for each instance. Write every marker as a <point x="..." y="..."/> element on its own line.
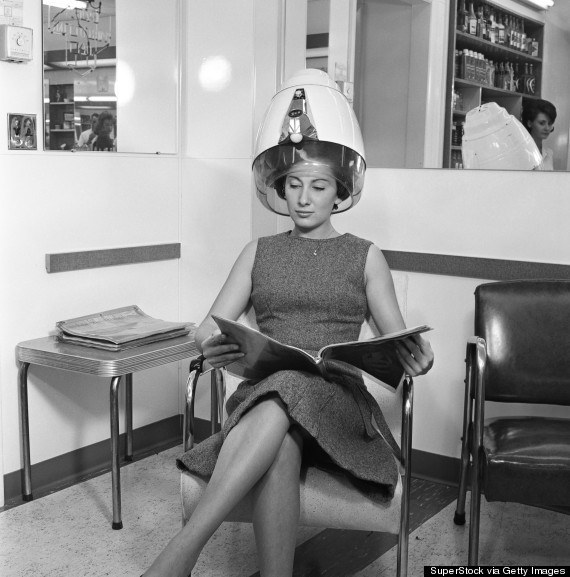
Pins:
<point x="520" y="354"/>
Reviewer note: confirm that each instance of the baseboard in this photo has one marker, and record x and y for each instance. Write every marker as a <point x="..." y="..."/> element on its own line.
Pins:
<point x="433" y="467"/>
<point x="76" y="466"/>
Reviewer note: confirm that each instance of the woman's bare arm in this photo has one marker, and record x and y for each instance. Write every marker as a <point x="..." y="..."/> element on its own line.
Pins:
<point x="230" y="303"/>
<point x="415" y="353"/>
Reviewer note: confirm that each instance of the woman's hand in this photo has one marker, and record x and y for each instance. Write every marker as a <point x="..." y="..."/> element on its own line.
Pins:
<point x="415" y="354"/>
<point x="218" y="352"/>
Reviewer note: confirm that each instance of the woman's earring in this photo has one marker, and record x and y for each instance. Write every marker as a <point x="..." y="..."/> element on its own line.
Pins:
<point x="335" y="206"/>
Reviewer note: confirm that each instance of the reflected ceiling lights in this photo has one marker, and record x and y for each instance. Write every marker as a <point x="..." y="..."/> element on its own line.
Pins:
<point x="67" y="4"/>
<point x="540" y="4"/>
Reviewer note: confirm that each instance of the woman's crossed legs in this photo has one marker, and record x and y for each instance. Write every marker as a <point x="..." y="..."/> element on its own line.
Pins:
<point x="262" y="454"/>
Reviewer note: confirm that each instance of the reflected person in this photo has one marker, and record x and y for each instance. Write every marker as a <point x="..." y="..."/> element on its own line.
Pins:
<point x="538" y="118"/>
<point x="103" y="140"/>
<point x="87" y="136"/>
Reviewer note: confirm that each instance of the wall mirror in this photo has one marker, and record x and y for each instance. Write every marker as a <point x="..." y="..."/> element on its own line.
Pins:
<point x="405" y="93"/>
<point x="111" y="75"/>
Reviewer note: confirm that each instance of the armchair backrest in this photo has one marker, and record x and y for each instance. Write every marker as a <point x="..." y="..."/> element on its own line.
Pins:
<point x="526" y="325"/>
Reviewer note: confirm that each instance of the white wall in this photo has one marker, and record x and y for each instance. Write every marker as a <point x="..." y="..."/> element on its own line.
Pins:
<point x="491" y="214"/>
<point x="52" y="202"/>
<point x="58" y="202"/>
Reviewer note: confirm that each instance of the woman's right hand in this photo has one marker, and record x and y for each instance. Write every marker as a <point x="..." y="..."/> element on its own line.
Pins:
<point x="218" y="352"/>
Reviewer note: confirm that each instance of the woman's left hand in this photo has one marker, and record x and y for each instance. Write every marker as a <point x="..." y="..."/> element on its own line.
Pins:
<point x="415" y="354"/>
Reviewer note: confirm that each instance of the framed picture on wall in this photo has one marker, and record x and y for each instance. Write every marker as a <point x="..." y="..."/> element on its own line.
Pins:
<point x="22" y="133"/>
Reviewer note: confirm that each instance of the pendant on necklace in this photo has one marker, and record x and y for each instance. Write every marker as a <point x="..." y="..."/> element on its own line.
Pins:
<point x="315" y="252"/>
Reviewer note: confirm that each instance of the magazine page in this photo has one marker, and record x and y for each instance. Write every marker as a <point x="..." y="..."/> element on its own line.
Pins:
<point x="263" y="355"/>
<point x="119" y="326"/>
<point x="377" y="356"/>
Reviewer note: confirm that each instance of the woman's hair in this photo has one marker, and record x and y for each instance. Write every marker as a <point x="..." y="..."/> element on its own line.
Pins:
<point x="533" y="108"/>
<point x="279" y="186"/>
<point x="101" y="121"/>
<point x="103" y="142"/>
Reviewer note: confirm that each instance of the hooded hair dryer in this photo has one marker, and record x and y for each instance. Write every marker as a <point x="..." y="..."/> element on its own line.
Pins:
<point x="308" y="127"/>
<point x="495" y="139"/>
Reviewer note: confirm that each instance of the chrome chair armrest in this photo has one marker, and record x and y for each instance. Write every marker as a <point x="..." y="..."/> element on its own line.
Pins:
<point x="217" y="399"/>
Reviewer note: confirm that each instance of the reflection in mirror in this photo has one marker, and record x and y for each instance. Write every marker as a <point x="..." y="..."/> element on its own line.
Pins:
<point x="509" y="55"/>
<point x="389" y="73"/>
<point x="378" y="52"/>
<point x="79" y="76"/>
<point x="110" y="75"/>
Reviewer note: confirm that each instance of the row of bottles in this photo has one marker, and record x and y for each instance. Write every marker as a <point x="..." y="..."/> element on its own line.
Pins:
<point x="456" y="159"/>
<point x="457" y="133"/>
<point x="473" y="66"/>
<point x="497" y="27"/>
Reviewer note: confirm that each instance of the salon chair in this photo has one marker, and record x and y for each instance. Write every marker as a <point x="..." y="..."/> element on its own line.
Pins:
<point x="328" y="499"/>
<point x="520" y="354"/>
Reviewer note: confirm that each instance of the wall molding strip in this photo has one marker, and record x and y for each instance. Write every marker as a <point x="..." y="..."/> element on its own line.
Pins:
<point x="68" y="261"/>
<point x="474" y="267"/>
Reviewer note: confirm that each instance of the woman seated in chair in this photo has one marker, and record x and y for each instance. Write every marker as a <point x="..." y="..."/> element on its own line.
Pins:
<point x="309" y="287"/>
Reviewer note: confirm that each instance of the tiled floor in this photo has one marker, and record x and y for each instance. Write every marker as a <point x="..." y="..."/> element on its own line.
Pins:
<point x="68" y="533"/>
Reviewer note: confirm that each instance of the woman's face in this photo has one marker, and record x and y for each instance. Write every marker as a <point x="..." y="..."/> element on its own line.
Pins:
<point x="106" y="127"/>
<point x="310" y="198"/>
<point x="541" y="127"/>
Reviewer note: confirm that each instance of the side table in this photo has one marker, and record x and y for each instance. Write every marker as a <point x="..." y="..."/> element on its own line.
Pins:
<point x="48" y="352"/>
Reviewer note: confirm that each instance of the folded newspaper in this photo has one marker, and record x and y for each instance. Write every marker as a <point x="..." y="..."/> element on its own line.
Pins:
<point x="119" y="329"/>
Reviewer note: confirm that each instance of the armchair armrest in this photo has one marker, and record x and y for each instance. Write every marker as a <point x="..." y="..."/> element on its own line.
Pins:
<point x="198" y="367"/>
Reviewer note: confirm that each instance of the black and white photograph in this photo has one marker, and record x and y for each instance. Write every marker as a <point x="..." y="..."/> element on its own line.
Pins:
<point x="285" y="288"/>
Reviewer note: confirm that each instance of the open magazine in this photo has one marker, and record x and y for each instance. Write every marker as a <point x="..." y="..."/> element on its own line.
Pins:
<point x="264" y="355"/>
<point x="119" y="329"/>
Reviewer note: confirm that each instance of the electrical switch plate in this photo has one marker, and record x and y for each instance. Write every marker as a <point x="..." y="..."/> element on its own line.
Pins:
<point x="16" y="43"/>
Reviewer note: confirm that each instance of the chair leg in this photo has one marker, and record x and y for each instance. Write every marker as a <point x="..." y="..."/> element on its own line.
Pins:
<point x="403" y="542"/>
<point x="466" y="438"/>
<point x="407" y="428"/>
<point x="474" y="517"/>
<point x="459" y="517"/>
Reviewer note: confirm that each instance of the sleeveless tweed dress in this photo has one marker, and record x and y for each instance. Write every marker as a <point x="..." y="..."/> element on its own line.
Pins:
<point x="310" y="293"/>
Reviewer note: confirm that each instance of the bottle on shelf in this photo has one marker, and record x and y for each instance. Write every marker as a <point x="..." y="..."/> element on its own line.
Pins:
<point x="472" y="27"/>
<point x="500" y="30"/>
<point x="517" y="78"/>
<point x="491" y="73"/>
<point x="462" y="17"/>
<point x="470" y="65"/>
<point x="521" y="35"/>
<point x="508" y="31"/>
<point x="481" y="23"/>
<point x="530" y="81"/>
<point x="492" y="27"/>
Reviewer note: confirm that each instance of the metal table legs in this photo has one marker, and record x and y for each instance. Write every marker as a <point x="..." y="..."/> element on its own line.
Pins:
<point x="23" y="384"/>
<point x="115" y="452"/>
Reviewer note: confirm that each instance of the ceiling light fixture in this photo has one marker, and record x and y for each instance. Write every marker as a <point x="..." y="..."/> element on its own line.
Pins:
<point x="67" y="4"/>
<point x="540" y="4"/>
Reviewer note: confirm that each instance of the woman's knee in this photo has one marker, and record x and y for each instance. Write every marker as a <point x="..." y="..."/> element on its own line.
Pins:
<point x="290" y="455"/>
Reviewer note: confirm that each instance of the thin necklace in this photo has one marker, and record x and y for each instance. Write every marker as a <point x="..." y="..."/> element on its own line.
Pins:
<point x="316" y="249"/>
